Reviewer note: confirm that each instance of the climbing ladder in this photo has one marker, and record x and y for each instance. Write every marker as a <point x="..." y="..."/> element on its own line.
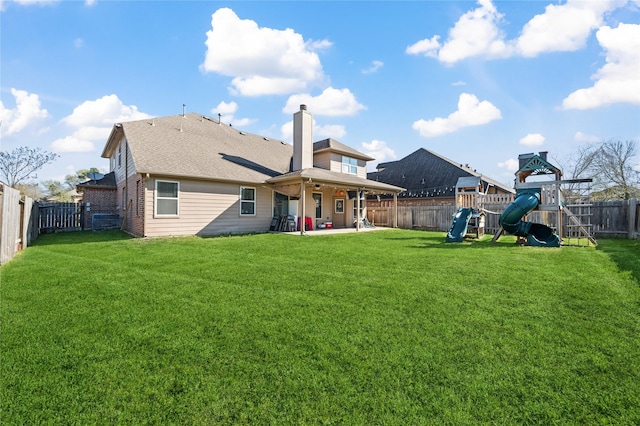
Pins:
<point x="576" y="208"/>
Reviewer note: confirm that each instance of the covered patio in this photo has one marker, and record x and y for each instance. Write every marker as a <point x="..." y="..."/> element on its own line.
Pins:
<point x="330" y="199"/>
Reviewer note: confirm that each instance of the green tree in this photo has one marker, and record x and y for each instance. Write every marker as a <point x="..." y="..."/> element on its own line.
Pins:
<point x="81" y="176"/>
<point x="57" y="191"/>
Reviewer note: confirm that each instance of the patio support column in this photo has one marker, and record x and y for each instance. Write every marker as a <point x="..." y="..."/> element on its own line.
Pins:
<point x="395" y="209"/>
<point x="357" y="209"/>
<point x="303" y="213"/>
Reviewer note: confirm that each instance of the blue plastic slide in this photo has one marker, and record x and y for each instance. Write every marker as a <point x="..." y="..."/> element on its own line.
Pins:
<point x="459" y="226"/>
<point x="536" y="233"/>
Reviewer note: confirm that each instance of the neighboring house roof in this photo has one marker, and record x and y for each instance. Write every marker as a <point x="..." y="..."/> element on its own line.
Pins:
<point x="192" y="145"/>
<point x="335" y="146"/>
<point x="426" y="173"/>
<point x="108" y="181"/>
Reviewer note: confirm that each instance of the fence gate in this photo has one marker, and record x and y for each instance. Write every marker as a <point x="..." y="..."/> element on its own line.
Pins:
<point x="60" y="217"/>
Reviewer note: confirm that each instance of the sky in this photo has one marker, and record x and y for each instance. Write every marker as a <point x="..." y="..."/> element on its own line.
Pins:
<point x="477" y="82"/>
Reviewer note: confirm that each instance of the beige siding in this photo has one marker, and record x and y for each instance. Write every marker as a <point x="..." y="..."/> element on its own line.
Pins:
<point x="322" y="160"/>
<point x="362" y="169"/>
<point x="125" y="167"/>
<point x="336" y="165"/>
<point x="208" y="208"/>
<point x="328" y="199"/>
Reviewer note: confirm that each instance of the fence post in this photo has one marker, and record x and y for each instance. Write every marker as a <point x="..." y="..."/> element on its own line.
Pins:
<point x="631" y="229"/>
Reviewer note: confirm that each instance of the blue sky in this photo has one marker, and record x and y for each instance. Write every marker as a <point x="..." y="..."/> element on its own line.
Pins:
<point x="478" y="82"/>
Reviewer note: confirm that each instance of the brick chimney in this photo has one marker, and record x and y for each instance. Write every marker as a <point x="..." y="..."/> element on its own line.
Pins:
<point x="302" y="141"/>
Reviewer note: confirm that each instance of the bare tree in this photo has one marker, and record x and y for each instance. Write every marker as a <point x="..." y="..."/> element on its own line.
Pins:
<point x="613" y="168"/>
<point x="22" y="163"/>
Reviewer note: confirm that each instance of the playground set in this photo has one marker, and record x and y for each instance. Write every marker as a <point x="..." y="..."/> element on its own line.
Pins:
<point x="563" y="206"/>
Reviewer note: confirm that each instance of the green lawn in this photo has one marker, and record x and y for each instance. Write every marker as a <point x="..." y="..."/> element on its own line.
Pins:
<point x="391" y="327"/>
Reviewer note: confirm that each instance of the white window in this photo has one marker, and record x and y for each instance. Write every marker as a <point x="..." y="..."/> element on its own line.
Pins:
<point x="120" y="155"/>
<point x="167" y="197"/>
<point x="247" y="201"/>
<point x="349" y="165"/>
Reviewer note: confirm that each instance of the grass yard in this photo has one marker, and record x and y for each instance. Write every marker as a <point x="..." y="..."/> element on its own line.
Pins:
<point x="392" y="327"/>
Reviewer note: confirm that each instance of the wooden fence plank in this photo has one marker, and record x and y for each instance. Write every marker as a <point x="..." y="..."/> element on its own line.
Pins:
<point x="10" y="219"/>
<point x="612" y="218"/>
<point x="60" y="216"/>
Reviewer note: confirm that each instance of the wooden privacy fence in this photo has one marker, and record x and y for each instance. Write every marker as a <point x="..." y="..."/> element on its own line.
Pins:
<point x="16" y="223"/>
<point x="60" y="217"/>
<point x="616" y="218"/>
<point x="606" y="219"/>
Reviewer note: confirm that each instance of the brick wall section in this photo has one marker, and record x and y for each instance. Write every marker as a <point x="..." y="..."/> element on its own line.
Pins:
<point x="103" y="200"/>
<point x="134" y="221"/>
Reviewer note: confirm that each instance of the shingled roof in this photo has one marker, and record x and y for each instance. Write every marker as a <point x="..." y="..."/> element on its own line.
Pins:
<point x="427" y="174"/>
<point x="193" y="145"/>
<point x="335" y="146"/>
<point x="107" y="181"/>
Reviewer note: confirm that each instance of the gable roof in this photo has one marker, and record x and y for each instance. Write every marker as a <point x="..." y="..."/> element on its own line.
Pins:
<point x="335" y="146"/>
<point x="426" y="173"/>
<point x="193" y="145"/>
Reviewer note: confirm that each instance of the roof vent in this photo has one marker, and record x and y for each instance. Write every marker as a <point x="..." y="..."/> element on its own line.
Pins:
<point x="303" y="107"/>
<point x="265" y="138"/>
<point x="242" y="133"/>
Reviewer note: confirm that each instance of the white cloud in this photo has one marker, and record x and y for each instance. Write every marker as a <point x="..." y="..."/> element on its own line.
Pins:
<point x="618" y="81"/>
<point x="106" y="110"/>
<point x="532" y="139"/>
<point x="93" y="121"/>
<point x="27" y="113"/>
<point x="510" y="165"/>
<point x="334" y="131"/>
<point x="476" y="33"/>
<point x="78" y="43"/>
<point x="378" y="150"/>
<point x="375" y="66"/>
<point x="72" y="144"/>
<point x="226" y="108"/>
<point x="226" y="111"/>
<point x="471" y="112"/>
<point x="427" y="47"/>
<point x="331" y="102"/>
<point x="227" y="114"/>
<point x="562" y="27"/>
<point x="262" y="61"/>
<point x="583" y="137"/>
<point x="459" y="83"/>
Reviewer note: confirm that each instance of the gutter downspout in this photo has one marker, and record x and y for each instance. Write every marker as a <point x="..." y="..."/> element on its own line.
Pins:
<point x="303" y="215"/>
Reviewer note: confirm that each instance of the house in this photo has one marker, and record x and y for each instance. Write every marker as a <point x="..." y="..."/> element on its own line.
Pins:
<point x="430" y="180"/>
<point x="192" y="175"/>
<point x="99" y="198"/>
